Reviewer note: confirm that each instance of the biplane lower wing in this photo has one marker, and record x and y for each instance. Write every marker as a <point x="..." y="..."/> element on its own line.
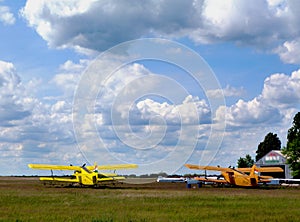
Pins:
<point x="265" y="177"/>
<point x="110" y="178"/>
<point x="210" y="180"/>
<point x="59" y="179"/>
<point x="265" y="180"/>
<point x="75" y="180"/>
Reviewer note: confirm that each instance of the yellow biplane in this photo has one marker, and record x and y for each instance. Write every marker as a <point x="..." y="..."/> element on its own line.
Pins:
<point x="237" y="176"/>
<point x="83" y="175"/>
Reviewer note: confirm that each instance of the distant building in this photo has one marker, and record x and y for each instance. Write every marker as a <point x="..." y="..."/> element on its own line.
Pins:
<point x="275" y="159"/>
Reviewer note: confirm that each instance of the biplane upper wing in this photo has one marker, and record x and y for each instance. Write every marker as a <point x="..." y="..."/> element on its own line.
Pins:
<point x="262" y="169"/>
<point x="270" y="169"/>
<point x="53" y="167"/>
<point x="113" y="167"/>
<point x="213" y="168"/>
<point x="244" y="169"/>
<point x="62" y="167"/>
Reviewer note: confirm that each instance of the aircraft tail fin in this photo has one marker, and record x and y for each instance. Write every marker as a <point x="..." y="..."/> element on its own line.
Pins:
<point x="253" y="171"/>
<point x="95" y="167"/>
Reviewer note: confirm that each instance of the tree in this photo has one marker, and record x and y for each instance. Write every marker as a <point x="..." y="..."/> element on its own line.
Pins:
<point x="245" y="162"/>
<point x="292" y="149"/>
<point x="271" y="142"/>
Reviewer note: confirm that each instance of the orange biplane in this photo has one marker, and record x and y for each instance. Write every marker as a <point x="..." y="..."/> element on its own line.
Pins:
<point x="237" y="176"/>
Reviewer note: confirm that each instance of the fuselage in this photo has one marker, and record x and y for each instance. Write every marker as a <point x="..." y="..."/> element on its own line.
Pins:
<point x="240" y="179"/>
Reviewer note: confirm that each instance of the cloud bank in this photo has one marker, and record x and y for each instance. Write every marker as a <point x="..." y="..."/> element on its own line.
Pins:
<point x="98" y="25"/>
<point x="35" y="129"/>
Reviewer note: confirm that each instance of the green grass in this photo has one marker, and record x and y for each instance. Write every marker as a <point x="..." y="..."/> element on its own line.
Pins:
<point x="30" y="201"/>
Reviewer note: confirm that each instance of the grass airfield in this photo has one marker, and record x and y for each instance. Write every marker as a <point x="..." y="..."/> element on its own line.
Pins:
<point x="26" y="199"/>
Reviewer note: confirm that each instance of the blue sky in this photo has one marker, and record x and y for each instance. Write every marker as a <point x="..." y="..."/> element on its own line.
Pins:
<point x="47" y="48"/>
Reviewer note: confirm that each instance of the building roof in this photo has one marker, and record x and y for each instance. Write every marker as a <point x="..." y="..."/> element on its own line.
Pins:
<point x="274" y="157"/>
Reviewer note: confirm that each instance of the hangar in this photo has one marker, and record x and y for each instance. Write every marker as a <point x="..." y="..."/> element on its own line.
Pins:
<point x="275" y="158"/>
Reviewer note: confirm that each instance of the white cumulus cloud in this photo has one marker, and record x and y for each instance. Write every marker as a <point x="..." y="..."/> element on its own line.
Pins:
<point x="289" y="51"/>
<point x="6" y="16"/>
<point x="11" y="95"/>
<point x="279" y="98"/>
<point x="179" y="114"/>
<point x="282" y="89"/>
<point x="228" y="91"/>
<point x="29" y="128"/>
<point x="251" y="113"/>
